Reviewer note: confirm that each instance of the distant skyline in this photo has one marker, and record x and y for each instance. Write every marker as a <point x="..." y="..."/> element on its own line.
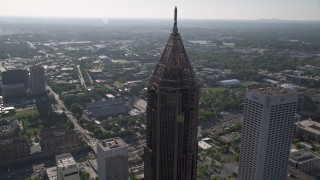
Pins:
<point x="187" y="9"/>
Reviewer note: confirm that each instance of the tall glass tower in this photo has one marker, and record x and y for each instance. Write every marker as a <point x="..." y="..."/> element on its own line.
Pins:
<point x="172" y="115"/>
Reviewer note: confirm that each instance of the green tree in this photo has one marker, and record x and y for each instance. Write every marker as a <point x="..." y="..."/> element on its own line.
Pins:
<point x="98" y="133"/>
<point x="35" y="133"/>
<point x="225" y="148"/>
<point x="84" y="175"/>
<point x="237" y="126"/>
<point x="299" y="146"/>
<point x="76" y="108"/>
<point x="306" y="137"/>
<point x="70" y="125"/>
<point x="235" y="157"/>
<point x="29" y="134"/>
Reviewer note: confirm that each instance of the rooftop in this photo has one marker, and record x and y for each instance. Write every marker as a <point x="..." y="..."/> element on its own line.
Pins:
<point x="52" y="173"/>
<point x="14" y="140"/>
<point x="294" y="174"/>
<point x="302" y="156"/>
<point x="309" y="125"/>
<point x="271" y="91"/>
<point x="204" y="145"/>
<point x="109" y="102"/>
<point x="65" y="161"/>
<point x="230" y="81"/>
<point x="112" y="143"/>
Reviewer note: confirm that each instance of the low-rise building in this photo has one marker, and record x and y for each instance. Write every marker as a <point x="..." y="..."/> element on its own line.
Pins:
<point x="307" y="127"/>
<point x="10" y="130"/>
<point x="230" y="83"/>
<point x="231" y="167"/>
<point x="58" y="139"/>
<point x="67" y="168"/>
<point x="204" y="145"/>
<point x="14" y="148"/>
<point x="305" y="161"/>
<point x="107" y="108"/>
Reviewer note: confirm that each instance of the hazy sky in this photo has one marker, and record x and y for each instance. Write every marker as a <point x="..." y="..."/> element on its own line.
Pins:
<point x="190" y="9"/>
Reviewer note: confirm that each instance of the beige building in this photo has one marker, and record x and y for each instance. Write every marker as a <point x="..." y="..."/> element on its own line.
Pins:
<point x="305" y="161"/>
<point x="307" y="127"/>
<point x="67" y="168"/>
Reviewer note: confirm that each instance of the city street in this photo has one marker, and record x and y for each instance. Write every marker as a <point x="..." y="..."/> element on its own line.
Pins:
<point x="90" y="140"/>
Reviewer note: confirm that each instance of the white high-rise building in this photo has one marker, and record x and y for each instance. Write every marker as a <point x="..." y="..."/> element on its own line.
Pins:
<point x="67" y="168"/>
<point x="268" y="119"/>
<point x="112" y="159"/>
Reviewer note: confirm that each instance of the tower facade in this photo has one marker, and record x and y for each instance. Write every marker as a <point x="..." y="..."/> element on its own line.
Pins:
<point x="15" y="76"/>
<point x="37" y="81"/>
<point x="15" y="83"/>
<point x="112" y="159"/>
<point x="172" y="115"/>
<point x="268" y="119"/>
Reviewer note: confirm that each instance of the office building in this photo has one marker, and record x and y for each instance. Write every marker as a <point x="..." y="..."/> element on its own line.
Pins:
<point x="13" y="148"/>
<point x="15" y="83"/>
<point x="107" y="108"/>
<point x="309" y="127"/>
<point x="13" y="90"/>
<point x="51" y="140"/>
<point x="15" y="76"/>
<point x="67" y="168"/>
<point x="266" y="133"/>
<point x="172" y="115"/>
<point x="112" y="159"/>
<point x="37" y="80"/>
<point x="305" y="161"/>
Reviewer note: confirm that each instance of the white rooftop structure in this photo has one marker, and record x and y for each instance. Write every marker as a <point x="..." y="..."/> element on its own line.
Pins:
<point x="230" y="83"/>
<point x="290" y="86"/>
<point x="204" y="145"/>
<point x="67" y="167"/>
<point x="141" y="105"/>
<point x="110" y="96"/>
<point x="52" y="173"/>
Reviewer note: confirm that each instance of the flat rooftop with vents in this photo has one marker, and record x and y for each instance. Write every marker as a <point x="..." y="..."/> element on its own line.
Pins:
<point x="271" y="91"/>
<point x="112" y="143"/>
<point x="65" y="161"/>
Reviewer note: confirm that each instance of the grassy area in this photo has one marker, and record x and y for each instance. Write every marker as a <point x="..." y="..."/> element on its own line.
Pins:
<point x="122" y="61"/>
<point x="216" y="89"/>
<point x="31" y="121"/>
<point x="246" y="84"/>
<point x="24" y="114"/>
<point x="118" y="84"/>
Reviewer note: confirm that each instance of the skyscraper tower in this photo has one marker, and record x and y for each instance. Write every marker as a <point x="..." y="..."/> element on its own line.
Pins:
<point x="172" y="115"/>
<point x="37" y="80"/>
<point x="266" y="134"/>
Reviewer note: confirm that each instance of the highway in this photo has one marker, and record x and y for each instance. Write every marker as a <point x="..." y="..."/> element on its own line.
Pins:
<point x="91" y="81"/>
<point x="2" y="69"/>
<point x="82" y="82"/>
<point x="92" y="142"/>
